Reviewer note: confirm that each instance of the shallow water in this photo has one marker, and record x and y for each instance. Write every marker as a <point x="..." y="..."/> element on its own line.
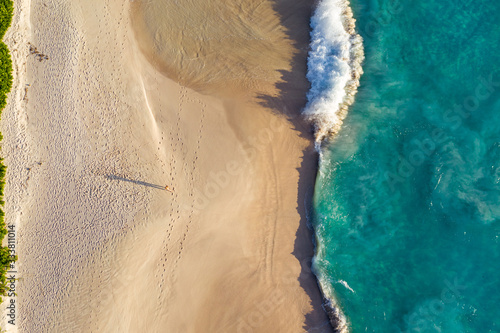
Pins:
<point x="407" y="209"/>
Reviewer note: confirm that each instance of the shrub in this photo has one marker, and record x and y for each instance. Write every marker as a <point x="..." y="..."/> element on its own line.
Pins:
<point x="6" y="10"/>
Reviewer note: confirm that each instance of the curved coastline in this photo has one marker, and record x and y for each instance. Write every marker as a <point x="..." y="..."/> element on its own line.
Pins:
<point x="334" y="70"/>
<point x="333" y="311"/>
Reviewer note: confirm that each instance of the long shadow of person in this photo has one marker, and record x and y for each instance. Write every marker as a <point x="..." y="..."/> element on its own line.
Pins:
<point x="137" y="182"/>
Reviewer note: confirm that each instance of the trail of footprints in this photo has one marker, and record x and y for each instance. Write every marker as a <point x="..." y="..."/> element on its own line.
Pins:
<point x="192" y="179"/>
<point x="164" y="268"/>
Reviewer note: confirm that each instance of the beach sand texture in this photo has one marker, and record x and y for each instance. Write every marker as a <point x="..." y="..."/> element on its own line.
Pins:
<point x="202" y="96"/>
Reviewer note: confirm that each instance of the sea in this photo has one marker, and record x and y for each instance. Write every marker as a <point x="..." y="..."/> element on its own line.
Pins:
<point x="406" y="209"/>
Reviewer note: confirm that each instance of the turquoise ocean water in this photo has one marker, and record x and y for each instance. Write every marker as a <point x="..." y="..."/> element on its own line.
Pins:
<point x="407" y="200"/>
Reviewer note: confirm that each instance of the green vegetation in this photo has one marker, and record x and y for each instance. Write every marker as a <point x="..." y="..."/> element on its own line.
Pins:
<point x="6" y="11"/>
<point x="5" y="74"/>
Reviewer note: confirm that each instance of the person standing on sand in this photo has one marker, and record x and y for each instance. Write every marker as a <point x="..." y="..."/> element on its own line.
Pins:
<point x="168" y="189"/>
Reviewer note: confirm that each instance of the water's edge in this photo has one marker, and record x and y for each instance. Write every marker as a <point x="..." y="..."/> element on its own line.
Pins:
<point x="338" y="320"/>
<point x="334" y="69"/>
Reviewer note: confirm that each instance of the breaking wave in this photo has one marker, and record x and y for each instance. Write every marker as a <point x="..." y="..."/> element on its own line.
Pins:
<point x="334" y="67"/>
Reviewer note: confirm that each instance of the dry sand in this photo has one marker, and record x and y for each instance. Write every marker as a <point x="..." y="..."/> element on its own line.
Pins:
<point x="108" y="122"/>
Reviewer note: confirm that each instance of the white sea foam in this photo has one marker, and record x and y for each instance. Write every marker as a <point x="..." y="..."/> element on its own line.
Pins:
<point x="345" y="284"/>
<point x="337" y="318"/>
<point x="334" y="67"/>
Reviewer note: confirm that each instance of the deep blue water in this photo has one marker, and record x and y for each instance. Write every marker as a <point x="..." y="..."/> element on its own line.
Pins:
<point x="407" y="201"/>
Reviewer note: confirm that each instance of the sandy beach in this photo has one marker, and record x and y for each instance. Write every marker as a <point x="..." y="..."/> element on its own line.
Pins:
<point x="203" y="97"/>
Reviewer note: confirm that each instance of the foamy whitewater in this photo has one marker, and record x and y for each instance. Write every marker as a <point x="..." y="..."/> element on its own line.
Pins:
<point x="334" y="67"/>
<point x="406" y="210"/>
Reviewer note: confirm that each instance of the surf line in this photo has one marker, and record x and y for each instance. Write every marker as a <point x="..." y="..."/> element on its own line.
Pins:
<point x="333" y="68"/>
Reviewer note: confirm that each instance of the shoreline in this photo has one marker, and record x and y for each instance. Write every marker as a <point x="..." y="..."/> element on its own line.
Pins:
<point x="329" y="100"/>
<point x="111" y="239"/>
